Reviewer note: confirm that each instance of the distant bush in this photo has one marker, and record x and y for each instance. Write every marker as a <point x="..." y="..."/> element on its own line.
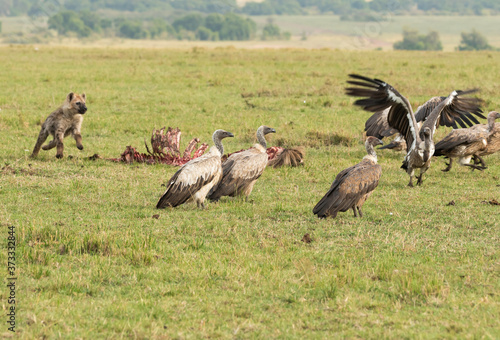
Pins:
<point x="189" y="22"/>
<point x="215" y="26"/>
<point x="68" y="21"/>
<point x="273" y="32"/>
<point x="159" y="28"/>
<point x="132" y="30"/>
<point x="474" y="41"/>
<point x="412" y="40"/>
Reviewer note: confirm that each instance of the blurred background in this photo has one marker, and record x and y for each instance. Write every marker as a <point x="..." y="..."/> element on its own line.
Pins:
<point x="360" y="24"/>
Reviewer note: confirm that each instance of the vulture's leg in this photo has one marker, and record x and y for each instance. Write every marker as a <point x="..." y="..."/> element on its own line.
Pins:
<point x="480" y="160"/>
<point x="476" y="167"/>
<point x="419" y="179"/>
<point x="448" y="168"/>
<point x="354" y="210"/>
<point x="360" y="212"/>
<point x="411" y="182"/>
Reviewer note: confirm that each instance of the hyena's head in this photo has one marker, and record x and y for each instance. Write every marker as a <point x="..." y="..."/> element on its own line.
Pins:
<point x="77" y="102"/>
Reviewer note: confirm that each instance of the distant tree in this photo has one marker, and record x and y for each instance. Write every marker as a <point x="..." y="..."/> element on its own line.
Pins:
<point x="203" y="33"/>
<point x="474" y="41"/>
<point x="271" y="31"/>
<point x="214" y="22"/>
<point x="412" y="40"/>
<point x="132" y="30"/>
<point x="69" y="21"/>
<point x="236" y="27"/>
<point x="189" y="22"/>
<point x="160" y="28"/>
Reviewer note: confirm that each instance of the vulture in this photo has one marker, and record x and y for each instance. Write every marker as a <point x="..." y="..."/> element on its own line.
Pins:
<point x="378" y="126"/>
<point x="193" y="180"/>
<point x="493" y="140"/>
<point x="352" y="186"/>
<point x="419" y="143"/>
<point x="467" y="143"/>
<point x="241" y="170"/>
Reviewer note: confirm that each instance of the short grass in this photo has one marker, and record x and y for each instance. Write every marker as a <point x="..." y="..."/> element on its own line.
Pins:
<point x="93" y="263"/>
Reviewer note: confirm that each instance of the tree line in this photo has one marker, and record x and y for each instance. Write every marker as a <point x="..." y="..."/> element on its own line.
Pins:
<point x="346" y="8"/>
<point x="194" y="26"/>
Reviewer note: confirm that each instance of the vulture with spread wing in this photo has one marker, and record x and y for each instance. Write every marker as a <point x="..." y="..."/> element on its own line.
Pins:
<point x="194" y="180"/>
<point x="241" y="170"/>
<point x="352" y="186"/>
<point x="466" y="143"/>
<point x="419" y="143"/>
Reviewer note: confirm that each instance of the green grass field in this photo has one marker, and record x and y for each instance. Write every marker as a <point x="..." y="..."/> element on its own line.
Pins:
<point x="93" y="263"/>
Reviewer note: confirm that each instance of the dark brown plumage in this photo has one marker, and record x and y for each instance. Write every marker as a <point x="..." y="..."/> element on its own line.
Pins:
<point x="379" y="96"/>
<point x="352" y="186"/>
<point x="467" y="143"/>
<point x="195" y="179"/>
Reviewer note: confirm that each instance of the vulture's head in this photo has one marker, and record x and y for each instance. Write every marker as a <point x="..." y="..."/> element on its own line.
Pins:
<point x="373" y="141"/>
<point x="266" y="130"/>
<point x="494" y="114"/>
<point x="221" y="134"/>
<point x="425" y="133"/>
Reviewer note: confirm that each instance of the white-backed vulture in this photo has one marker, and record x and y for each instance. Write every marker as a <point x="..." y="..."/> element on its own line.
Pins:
<point x="378" y="126"/>
<point x="419" y="143"/>
<point x="465" y="143"/>
<point x="493" y="142"/>
<point x="241" y="170"/>
<point x="352" y="186"/>
<point x="193" y="180"/>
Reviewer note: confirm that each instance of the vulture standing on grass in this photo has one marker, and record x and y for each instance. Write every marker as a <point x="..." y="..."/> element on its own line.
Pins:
<point x="493" y="141"/>
<point x="241" y="170"/>
<point x="352" y="186"/>
<point x="193" y="180"/>
<point x="419" y="144"/>
<point x="473" y="141"/>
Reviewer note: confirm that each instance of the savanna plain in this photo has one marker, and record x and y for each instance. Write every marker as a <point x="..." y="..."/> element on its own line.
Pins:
<point x="92" y="262"/>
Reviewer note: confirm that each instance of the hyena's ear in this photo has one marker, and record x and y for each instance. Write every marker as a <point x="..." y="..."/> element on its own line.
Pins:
<point x="70" y="96"/>
<point x="84" y="96"/>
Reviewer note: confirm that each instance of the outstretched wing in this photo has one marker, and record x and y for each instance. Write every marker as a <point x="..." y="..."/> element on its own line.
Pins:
<point x="189" y="179"/>
<point x="455" y="107"/>
<point x="377" y="125"/>
<point x="379" y="96"/>
<point x="348" y="188"/>
<point x="463" y="111"/>
<point x="239" y="171"/>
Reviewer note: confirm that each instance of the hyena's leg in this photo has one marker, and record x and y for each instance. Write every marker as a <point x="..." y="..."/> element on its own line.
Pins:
<point x="42" y="136"/>
<point x="59" y="137"/>
<point x="51" y="145"/>
<point x="78" y="138"/>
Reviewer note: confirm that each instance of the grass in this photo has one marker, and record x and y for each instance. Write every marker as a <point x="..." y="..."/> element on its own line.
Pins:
<point x="93" y="263"/>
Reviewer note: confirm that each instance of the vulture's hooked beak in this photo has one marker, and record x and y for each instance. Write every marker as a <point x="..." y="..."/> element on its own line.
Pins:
<point x="272" y="131"/>
<point x="380" y="142"/>
<point x="229" y="134"/>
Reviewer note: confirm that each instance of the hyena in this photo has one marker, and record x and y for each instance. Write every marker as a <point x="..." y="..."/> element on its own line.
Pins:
<point x="67" y="119"/>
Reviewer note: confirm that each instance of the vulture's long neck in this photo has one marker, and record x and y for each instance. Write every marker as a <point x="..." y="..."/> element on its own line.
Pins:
<point x="371" y="152"/>
<point x="218" y="144"/>
<point x="261" y="138"/>
<point x="427" y="147"/>
<point x="491" y="122"/>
